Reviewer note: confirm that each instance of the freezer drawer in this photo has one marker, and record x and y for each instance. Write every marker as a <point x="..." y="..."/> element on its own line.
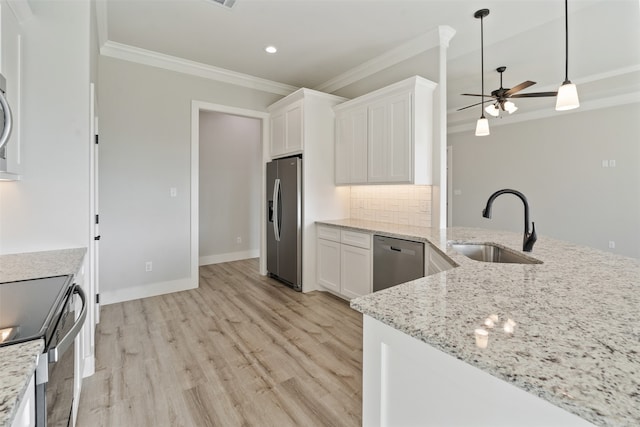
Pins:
<point x="396" y="261"/>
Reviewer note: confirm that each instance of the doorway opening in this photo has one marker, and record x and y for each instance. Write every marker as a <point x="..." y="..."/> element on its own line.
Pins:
<point x="228" y="149"/>
<point x="230" y="180"/>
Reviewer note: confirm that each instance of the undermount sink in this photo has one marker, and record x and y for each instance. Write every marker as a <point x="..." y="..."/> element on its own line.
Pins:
<point x="487" y="252"/>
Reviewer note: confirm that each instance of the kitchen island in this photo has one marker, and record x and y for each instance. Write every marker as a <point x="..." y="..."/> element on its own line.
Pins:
<point x="18" y="361"/>
<point x="575" y="320"/>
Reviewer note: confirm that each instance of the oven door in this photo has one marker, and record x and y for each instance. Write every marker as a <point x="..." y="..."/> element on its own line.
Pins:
<point x="54" y="398"/>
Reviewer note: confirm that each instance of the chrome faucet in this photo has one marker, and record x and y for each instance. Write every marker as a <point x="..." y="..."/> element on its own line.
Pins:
<point x="529" y="238"/>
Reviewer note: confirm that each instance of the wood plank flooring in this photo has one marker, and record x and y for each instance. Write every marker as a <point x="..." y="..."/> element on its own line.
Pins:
<point x="241" y="350"/>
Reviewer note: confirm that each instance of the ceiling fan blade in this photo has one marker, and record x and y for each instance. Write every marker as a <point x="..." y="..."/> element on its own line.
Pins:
<point x="518" y="88"/>
<point x="477" y="94"/>
<point x="534" y="95"/>
<point x="473" y="105"/>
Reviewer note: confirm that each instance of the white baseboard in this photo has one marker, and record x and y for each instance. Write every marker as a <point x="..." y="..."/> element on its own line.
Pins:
<point x="149" y="290"/>
<point x="228" y="257"/>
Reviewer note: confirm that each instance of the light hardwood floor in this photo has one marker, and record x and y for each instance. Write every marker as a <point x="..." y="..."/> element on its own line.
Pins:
<point x="241" y="350"/>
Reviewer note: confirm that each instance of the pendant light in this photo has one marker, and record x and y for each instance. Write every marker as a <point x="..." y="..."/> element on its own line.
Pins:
<point x="567" y="93"/>
<point x="482" y="127"/>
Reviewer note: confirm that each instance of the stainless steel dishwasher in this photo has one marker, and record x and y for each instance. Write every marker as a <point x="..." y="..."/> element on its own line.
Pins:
<point x="396" y="261"/>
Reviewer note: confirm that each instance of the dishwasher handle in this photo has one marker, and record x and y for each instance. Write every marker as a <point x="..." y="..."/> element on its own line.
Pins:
<point x="405" y="251"/>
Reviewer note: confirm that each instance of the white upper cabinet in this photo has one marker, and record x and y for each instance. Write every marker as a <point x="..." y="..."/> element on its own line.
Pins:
<point x="351" y="146"/>
<point x="384" y="137"/>
<point x="287" y="127"/>
<point x="10" y="67"/>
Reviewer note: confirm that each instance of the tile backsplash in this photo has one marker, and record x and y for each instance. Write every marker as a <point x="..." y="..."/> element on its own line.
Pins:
<point x="397" y="204"/>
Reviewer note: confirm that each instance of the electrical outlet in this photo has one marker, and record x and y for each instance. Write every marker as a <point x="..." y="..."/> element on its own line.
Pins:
<point x="238" y="239"/>
<point x="173" y="191"/>
<point x="612" y="244"/>
<point x="612" y="163"/>
<point x="605" y="163"/>
<point x="148" y="266"/>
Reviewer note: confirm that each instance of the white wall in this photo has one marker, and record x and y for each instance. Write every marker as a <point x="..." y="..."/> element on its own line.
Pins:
<point x="49" y="208"/>
<point x="145" y="142"/>
<point x="557" y="163"/>
<point x="230" y="187"/>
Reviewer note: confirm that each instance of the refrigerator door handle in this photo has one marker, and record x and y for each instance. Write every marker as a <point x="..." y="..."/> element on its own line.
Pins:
<point x="276" y="203"/>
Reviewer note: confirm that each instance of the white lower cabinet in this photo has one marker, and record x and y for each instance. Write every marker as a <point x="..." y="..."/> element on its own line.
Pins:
<point x="329" y="264"/>
<point x="26" y="413"/>
<point x="407" y="382"/>
<point x="355" y="271"/>
<point x="344" y="261"/>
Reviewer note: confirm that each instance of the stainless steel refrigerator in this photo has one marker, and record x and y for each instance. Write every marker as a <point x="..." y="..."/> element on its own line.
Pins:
<point x="284" y="221"/>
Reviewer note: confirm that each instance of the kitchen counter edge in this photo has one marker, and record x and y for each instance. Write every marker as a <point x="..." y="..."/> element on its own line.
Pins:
<point x="567" y="269"/>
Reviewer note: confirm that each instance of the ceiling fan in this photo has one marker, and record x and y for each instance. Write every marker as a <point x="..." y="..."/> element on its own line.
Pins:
<point x="500" y="97"/>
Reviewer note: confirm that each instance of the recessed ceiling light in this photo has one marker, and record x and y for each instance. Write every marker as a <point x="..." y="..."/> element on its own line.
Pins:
<point x="270" y="49"/>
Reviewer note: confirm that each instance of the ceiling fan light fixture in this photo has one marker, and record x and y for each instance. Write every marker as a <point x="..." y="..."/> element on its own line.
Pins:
<point x="567" y="97"/>
<point x="492" y="110"/>
<point x="482" y="127"/>
<point x="510" y="107"/>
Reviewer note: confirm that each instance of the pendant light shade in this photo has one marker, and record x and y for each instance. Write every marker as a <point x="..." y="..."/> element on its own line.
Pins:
<point x="567" y="98"/>
<point x="482" y="127"/>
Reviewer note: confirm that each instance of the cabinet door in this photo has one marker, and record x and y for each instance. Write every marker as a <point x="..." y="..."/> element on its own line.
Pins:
<point x="343" y="148"/>
<point x="278" y="134"/>
<point x="399" y="145"/>
<point x="356" y="271"/>
<point x="359" y="135"/>
<point x="390" y="141"/>
<point x="11" y="50"/>
<point x="328" y="268"/>
<point x="377" y="129"/>
<point x="294" y="138"/>
<point x="351" y="147"/>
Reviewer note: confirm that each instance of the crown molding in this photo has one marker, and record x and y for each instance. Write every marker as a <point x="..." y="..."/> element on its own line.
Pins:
<point x="396" y="55"/>
<point x="608" y="74"/>
<point x="21" y="9"/>
<point x="446" y="33"/>
<point x="172" y="63"/>
<point x="596" y="104"/>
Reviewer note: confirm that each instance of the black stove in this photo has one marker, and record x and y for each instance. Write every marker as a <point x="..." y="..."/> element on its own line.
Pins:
<point x="30" y="309"/>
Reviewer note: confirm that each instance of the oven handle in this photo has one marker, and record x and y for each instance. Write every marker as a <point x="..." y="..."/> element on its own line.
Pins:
<point x="56" y="352"/>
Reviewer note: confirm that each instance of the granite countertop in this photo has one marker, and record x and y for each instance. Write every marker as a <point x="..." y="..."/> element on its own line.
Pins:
<point x="18" y="362"/>
<point x="576" y="340"/>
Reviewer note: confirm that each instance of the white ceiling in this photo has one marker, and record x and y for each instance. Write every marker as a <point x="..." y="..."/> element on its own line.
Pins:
<point x="321" y="42"/>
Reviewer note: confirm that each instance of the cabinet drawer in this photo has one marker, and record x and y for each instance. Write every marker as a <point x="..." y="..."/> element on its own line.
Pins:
<point x="354" y="238"/>
<point x="329" y="233"/>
